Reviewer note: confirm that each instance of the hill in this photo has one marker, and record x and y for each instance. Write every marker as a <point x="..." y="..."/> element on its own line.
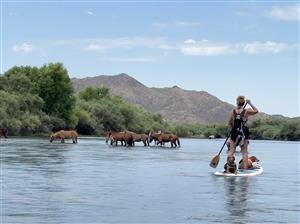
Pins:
<point x="175" y="104"/>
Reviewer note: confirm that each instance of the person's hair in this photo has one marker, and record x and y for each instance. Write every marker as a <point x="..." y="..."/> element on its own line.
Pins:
<point x="240" y="101"/>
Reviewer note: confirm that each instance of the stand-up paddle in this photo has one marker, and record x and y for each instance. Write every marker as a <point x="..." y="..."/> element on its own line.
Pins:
<point x="215" y="161"/>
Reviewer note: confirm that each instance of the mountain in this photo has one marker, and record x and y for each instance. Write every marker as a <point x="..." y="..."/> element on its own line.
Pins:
<point x="175" y="104"/>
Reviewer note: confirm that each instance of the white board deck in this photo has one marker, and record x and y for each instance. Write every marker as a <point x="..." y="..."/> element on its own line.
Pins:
<point x="241" y="173"/>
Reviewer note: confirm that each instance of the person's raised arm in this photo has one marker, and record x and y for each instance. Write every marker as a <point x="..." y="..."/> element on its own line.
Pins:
<point x="253" y="109"/>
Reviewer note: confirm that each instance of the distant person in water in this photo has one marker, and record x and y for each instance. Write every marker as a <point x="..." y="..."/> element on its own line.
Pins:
<point x="240" y="133"/>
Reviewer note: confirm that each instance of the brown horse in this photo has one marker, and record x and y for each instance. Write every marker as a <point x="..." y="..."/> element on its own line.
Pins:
<point x="125" y="137"/>
<point x="140" y="138"/>
<point x="118" y="138"/>
<point x="3" y="132"/>
<point x="62" y="135"/>
<point x="161" y="138"/>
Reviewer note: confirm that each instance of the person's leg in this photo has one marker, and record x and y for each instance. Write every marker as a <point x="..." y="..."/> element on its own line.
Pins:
<point x="228" y="145"/>
<point x="232" y="148"/>
<point x="244" y="150"/>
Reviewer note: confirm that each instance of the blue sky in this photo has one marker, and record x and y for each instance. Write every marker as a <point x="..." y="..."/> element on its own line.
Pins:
<point x="224" y="48"/>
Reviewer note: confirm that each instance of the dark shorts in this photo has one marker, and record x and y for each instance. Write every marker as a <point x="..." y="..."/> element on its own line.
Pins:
<point x="235" y="133"/>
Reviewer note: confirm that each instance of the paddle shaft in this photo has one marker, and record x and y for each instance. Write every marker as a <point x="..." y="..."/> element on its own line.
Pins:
<point x="229" y="134"/>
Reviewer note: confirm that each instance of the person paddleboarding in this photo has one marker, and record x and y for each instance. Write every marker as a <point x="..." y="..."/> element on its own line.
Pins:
<point x="239" y="135"/>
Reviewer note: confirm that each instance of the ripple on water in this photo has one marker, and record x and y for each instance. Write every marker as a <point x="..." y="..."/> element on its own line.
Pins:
<point x="92" y="182"/>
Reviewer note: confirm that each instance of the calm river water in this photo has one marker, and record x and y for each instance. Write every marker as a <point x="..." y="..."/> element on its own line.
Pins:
<point x="92" y="182"/>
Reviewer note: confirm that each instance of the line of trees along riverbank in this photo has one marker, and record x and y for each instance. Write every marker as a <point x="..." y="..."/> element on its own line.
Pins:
<point x="38" y="101"/>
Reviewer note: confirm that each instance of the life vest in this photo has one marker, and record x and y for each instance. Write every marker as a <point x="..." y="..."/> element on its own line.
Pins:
<point x="238" y="123"/>
<point x="239" y="127"/>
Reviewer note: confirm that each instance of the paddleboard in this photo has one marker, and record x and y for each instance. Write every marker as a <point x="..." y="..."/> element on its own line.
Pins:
<point x="241" y="173"/>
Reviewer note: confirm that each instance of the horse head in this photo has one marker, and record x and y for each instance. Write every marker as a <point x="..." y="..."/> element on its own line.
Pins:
<point x="52" y="138"/>
<point x="108" y="137"/>
<point x="153" y="136"/>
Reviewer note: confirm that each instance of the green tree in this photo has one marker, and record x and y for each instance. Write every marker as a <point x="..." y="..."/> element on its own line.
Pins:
<point x="55" y="88"/>
<point x="94" y="93"/>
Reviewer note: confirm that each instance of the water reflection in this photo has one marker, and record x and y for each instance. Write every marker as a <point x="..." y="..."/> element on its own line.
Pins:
<point x="91" y="182"/>
<point x="32" y="153"/>
<point x="236" y="191"/>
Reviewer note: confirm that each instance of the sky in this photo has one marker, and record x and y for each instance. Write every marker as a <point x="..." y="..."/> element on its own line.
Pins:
<point x="227" y="48"/>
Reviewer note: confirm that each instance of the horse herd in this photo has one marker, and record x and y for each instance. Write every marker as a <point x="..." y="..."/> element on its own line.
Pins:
<point x="126" y="138"/>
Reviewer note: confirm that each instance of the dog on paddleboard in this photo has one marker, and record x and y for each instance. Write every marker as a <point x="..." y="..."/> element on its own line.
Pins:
<point x="252" y="163"/>
<point x="230" y="166"/>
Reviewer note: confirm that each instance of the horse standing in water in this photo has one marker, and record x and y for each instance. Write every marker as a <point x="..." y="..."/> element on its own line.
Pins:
<point x="62" y="135"/>
<point x="114" y="137"/>
<point x="140" y="138"/>
<point x="161" y="138"/>
<point x="3" y="132"/>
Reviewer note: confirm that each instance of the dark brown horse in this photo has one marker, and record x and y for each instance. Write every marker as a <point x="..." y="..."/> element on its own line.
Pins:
<point x="125" y="137"/>
<point x="161" y="138"/>
<point x="3" y="132"/>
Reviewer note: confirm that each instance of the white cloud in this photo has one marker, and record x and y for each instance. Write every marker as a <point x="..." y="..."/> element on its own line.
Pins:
<point x="242" y="14"/>
<point x="189" y="47"/>
<point x="266" y="47"/>
<point x="96" y="47"/>
<point x="177" y="24"/>
<point x="190" y="41"/>
<point x="126" y="43"/>
<point x="24" y="47"/>
<point x="160" y="25"/>
<point x="129" y="59"/>
<point x="186" y="24"/>
<point x="206" y="48"/>
<point x="89" y="13"/>
<point x="287" y="13"/>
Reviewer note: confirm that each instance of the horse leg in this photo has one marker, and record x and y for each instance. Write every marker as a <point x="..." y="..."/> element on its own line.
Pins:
<point x="74" y="139"/>
<point x="62" y="140"/>
<point x="178" y="142"/>
<point x="175" y="144"/>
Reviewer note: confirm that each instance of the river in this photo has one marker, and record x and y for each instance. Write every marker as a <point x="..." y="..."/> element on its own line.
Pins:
<point x="91" y="182"/>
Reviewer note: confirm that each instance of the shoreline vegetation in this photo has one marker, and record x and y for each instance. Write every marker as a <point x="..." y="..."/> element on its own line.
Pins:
<point x="38" y="101"/>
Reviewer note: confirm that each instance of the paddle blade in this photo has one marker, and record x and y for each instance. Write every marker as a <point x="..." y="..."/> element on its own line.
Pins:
<point x="215" y="161"/>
